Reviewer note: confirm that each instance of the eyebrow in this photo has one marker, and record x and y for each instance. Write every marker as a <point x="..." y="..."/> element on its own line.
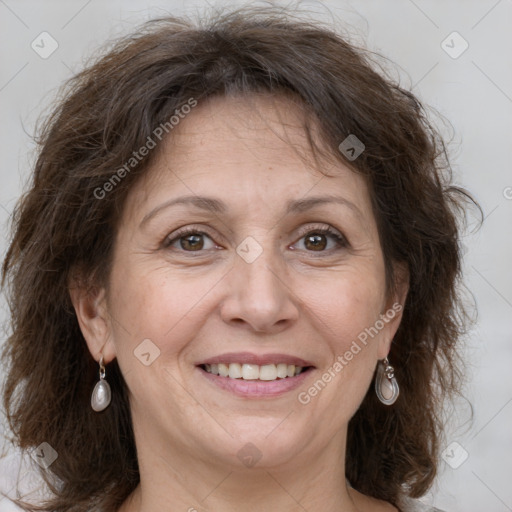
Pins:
<point x="213" y="205"/>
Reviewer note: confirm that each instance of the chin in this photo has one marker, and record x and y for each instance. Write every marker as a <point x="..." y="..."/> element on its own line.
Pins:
<point x="264" y="442"/>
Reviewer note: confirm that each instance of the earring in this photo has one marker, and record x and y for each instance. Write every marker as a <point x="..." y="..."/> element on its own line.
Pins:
<point x="386" y="385"/>
<point x="101" y="394"/>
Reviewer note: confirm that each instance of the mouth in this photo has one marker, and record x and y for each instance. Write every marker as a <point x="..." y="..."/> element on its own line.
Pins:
<point x="253" y="376"/>
<point x="247" y="371"/>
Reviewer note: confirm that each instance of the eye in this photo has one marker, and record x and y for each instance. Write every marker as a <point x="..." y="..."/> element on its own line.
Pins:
<point x="317" y="240"/>
<point x="189" y="240"/>
<point x="321" y="239"/>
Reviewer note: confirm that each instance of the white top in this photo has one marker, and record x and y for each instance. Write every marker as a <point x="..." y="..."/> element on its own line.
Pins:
<point x="412" y="505"/>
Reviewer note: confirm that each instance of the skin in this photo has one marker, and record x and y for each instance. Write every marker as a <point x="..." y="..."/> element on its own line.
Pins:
<point x="295" y="298"/>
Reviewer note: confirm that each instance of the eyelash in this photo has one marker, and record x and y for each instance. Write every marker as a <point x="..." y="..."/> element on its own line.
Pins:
<point x="340" y="240"/>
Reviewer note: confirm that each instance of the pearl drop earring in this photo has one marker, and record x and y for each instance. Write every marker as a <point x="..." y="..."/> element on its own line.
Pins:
<point x="386" y="385"/>
<point x="101" y="394"/>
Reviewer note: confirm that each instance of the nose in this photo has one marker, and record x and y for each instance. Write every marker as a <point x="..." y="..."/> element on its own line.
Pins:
<point x="259" y="297"/>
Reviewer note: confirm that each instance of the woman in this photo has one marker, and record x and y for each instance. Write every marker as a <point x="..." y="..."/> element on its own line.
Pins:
<point x="233" y="279"/>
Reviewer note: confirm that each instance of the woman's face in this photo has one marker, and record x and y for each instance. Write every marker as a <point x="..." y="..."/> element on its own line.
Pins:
<point x="222" y="258"/>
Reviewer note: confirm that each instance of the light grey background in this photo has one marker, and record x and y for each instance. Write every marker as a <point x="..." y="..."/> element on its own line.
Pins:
<point x="474" y="91"/>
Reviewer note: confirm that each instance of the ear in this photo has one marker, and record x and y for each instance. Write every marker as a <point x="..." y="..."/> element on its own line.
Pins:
<point x="394" y="307"/>
<point x="91" y="310"/>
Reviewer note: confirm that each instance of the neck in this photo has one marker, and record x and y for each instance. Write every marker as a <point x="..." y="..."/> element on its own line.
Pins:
<point x="172" y="481"/>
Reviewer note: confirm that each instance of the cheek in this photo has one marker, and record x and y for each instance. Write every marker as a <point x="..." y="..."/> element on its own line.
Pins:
<point x="348" y="305"/>
<point x="346" y="312"/>
<point x="153" y="303"/>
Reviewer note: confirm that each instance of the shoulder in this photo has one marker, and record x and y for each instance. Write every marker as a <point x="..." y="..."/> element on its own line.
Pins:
<point x="412" y="505"/>
<point x="368" y="503"/>
<point x="406" y="504"/>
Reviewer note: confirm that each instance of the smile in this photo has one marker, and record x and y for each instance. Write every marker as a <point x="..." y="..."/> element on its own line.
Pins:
<point x="247" y="371"/>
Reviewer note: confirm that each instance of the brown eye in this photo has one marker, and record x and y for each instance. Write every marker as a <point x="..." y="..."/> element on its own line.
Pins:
<point x="315" y="242"/>
<point x="191" y="242"/>
<point x="322" y="240"/>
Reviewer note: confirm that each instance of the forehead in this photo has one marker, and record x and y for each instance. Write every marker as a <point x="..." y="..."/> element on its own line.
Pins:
<point x="250" y="149"/>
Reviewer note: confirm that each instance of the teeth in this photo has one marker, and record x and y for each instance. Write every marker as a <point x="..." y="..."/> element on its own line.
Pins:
<point x="268" y="372"/>
<point x="253" y="371"/>
<point x="250" y="371"/>
<point x="282" y="370"/>
<point x="223" y="370"/>
<point x="235" y="371"/>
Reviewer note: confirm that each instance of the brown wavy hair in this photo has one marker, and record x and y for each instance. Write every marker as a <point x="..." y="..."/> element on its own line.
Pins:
<point x="61" y="230"/>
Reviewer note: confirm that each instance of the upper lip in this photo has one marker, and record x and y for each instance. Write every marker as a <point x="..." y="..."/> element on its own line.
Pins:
<point x="258" y="359"/>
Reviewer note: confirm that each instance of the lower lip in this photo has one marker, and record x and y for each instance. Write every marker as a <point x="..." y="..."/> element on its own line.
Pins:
<point x="256" y="388"/>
